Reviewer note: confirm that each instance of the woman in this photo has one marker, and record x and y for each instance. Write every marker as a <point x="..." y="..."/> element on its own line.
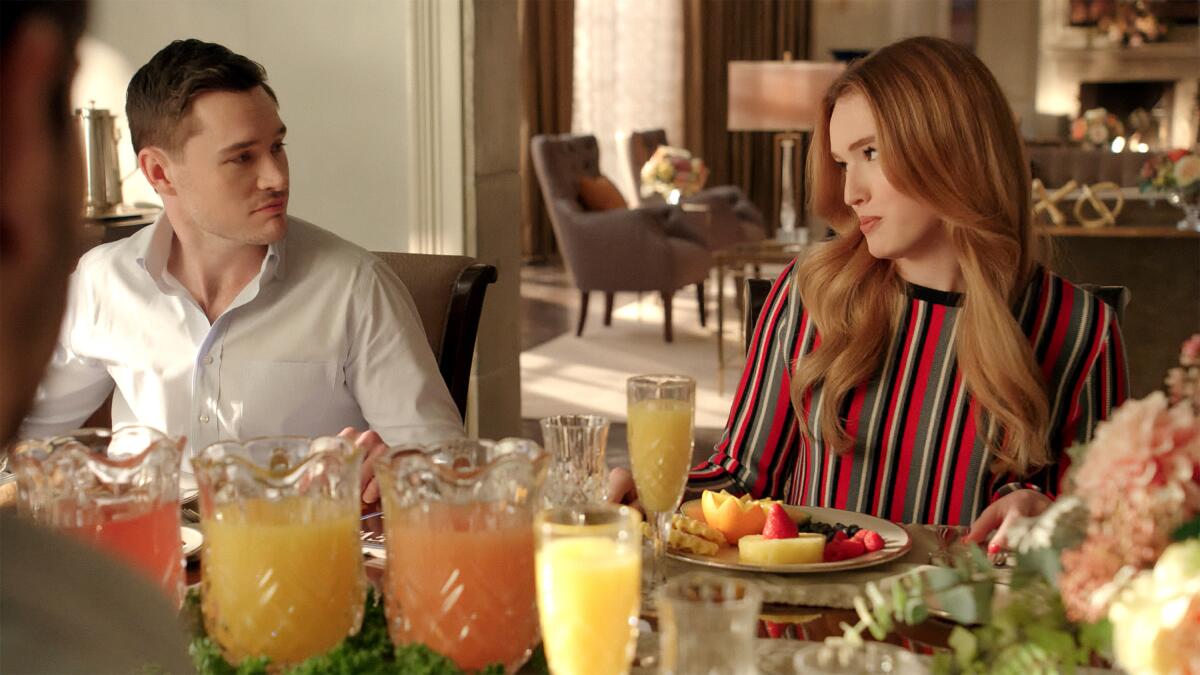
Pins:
<point x="938" y="371"/>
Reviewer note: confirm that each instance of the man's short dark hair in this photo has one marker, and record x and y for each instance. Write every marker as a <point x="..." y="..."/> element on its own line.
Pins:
<point x="161" y="92"/>
<point x="69" y="16"/>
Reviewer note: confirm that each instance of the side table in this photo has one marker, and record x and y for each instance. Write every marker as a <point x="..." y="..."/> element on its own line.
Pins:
<point x="736" y="258"/>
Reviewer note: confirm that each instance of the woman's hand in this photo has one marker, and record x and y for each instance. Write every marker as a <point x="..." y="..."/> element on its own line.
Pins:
<point x="373" y="447"/>
<point x="621" y="489"/>
<point x="1000" y="515"/>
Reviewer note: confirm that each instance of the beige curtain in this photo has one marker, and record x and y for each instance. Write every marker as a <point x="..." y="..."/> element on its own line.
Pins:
<point x="628" y="77"/>
<point x="715" y="33"/>
<point x="547" y="46"/>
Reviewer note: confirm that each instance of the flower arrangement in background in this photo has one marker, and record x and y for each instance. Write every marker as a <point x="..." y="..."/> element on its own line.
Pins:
<point x="1176" y="170"/>
<point x="673" y="173"/>
<point x="1097" y="128"/>
<point x="1131" y="24"/>
<point x="1178" y="175"/>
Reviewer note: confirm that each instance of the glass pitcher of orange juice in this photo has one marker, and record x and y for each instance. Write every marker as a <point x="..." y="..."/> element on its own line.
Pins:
<point x="117" y="490"/>
<point x="458" y="518"/>
<point x="282" y="563"/>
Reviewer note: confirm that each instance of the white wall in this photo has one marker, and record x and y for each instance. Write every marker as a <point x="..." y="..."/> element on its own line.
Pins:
<point x="339" y="70"/>
<point x="868" y="24"/>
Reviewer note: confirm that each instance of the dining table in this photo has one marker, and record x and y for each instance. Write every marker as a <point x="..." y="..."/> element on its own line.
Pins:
<point x="798" y="610"/>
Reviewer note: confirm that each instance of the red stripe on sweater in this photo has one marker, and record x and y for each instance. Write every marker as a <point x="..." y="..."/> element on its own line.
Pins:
<point x="902" y="465"/>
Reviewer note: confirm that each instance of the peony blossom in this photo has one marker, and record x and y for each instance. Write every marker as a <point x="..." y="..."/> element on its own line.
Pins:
<point x="1156" y="620"/>
<point x="1138" y="481"/>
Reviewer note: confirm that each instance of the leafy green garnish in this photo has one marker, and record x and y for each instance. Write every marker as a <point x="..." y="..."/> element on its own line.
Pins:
<point x="1188" y="530"/>
<point x="369" y="652"/>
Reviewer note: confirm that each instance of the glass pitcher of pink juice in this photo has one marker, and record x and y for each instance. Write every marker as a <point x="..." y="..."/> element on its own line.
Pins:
<point x="116" y="490"/>
<point x="282" y="574"/>
<point x="458" y="517"/>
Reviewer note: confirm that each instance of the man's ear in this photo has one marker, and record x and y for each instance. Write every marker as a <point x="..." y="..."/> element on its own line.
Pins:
<point x="156" y="167"/>
<point x="29" y="140"/>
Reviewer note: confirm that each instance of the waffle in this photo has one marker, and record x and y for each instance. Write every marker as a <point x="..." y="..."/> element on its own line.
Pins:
<point x="690" y="535"/>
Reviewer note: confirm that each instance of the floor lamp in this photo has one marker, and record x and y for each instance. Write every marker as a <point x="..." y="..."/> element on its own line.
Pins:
<point x="784" y="97"/>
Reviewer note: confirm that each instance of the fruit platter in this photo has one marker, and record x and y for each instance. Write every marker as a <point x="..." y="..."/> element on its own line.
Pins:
<point x="763" y="535"/>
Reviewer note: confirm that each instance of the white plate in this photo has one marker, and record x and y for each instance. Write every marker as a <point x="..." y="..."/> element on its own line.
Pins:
<point x="189" y="489"/>
<point x="192" y="540"/>
<point x="896" y="543"/>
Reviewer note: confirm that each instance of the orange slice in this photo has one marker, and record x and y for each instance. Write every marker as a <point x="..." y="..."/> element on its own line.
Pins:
<point x="734" y="517"/>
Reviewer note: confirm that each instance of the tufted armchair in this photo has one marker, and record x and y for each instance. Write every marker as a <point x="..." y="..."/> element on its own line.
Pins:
<point x="647" y="248"/>
<point x="734" y="219"/>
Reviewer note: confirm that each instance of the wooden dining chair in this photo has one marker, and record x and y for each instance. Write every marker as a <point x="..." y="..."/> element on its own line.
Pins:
<point x="448" y="291"/>
<point x="756" y="291"/>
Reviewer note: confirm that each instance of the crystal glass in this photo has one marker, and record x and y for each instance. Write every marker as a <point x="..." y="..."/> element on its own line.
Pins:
<point x="458" y="518"/>
<point x="576" y="445"/>
<point x="661" y="426"/>
<point x="282" y="575"/>
<point x="1189" y="201"/>
<point x="118" y="490"/>
<point x="589" y="571"/>
<point x="707" y="625"/>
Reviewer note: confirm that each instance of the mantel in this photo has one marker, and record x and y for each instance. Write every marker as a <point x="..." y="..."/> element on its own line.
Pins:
<point x="1164" y="61"/>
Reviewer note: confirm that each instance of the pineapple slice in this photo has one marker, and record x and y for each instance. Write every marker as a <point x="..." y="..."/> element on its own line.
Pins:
<point x="806" y="548"/>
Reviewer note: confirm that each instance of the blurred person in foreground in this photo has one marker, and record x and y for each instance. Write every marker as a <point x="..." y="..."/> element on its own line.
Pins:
<point x="63" y="607"/>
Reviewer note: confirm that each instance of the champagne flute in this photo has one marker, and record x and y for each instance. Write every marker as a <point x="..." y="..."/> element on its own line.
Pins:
<point x="662" y="415"/>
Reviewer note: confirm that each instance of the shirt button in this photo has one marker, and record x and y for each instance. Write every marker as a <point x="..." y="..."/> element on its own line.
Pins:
<point x="204" y="419"/>
<point x="208" y="360"/>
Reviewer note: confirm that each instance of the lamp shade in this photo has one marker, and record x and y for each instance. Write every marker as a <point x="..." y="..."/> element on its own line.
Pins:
<point x="778" y="95"/>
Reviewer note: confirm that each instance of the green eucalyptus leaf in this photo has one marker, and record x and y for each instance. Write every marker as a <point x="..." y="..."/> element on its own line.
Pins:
<point x="899" y="598"/>
<point x="965" y="646"/>
<point x="915" y="612"/>
<point x="1096" y="638"/>
<point x="1188" y="530"/>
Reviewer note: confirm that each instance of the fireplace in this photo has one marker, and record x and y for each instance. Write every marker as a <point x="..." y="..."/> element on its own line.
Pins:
<point x="1079" y="69"/>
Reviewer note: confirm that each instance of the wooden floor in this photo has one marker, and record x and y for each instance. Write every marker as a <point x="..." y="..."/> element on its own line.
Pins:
<point x="550" y="308"/>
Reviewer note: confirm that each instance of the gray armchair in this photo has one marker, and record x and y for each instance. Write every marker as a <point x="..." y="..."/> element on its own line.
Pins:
<point x="732" y="218"/>
<point x="640" y="249"/>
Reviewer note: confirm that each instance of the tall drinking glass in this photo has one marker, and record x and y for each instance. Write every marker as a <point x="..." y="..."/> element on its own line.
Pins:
<point x="117" y="490"/>
<point x="458" y="517"/>
<point x="707" y="625"/>
<point x="589" y="562"/>
<point x="576" y="445"/>
<point x="662" y="414"/>
<point x="283" y="575"/>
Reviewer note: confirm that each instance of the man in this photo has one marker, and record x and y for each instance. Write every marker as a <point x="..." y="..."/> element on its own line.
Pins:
<point x="63" y="608"/>
<point x="227" y="318"/>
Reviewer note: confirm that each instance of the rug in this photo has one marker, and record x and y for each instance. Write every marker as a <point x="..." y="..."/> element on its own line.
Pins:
<point x="586" y="375"/>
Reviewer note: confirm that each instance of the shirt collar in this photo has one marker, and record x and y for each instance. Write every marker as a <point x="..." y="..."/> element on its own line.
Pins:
<point x="154" y="250"/>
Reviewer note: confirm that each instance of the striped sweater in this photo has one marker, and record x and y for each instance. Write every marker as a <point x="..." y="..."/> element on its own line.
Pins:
<point x="918" y="454"/>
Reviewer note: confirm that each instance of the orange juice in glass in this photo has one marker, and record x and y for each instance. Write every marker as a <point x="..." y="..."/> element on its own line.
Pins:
<point x="662" y="413"/>
<point x="282" y="575"/>
<point x="589" y="564"/>
<point x="458" y="518"/>
<point x="116" y="490"/>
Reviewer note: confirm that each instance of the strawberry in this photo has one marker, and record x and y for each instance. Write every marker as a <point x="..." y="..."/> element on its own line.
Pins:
<point x="779" y="525"/>
<point x="833" y="551"/>
<point x="840" y="536"/>
<point x="852" y="549"/>
<point x="858" y="536"/>
<point x="872" y="541"/>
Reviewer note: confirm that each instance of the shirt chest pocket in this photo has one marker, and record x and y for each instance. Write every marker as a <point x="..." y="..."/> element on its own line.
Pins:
<point x="286" y="397"/>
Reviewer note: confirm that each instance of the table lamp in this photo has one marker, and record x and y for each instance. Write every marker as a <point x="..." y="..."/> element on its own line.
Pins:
<point x="784" y="97"/>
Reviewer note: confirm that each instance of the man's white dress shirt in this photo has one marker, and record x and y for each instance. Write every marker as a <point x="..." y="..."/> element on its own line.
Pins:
<point x="324" y="337"/>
